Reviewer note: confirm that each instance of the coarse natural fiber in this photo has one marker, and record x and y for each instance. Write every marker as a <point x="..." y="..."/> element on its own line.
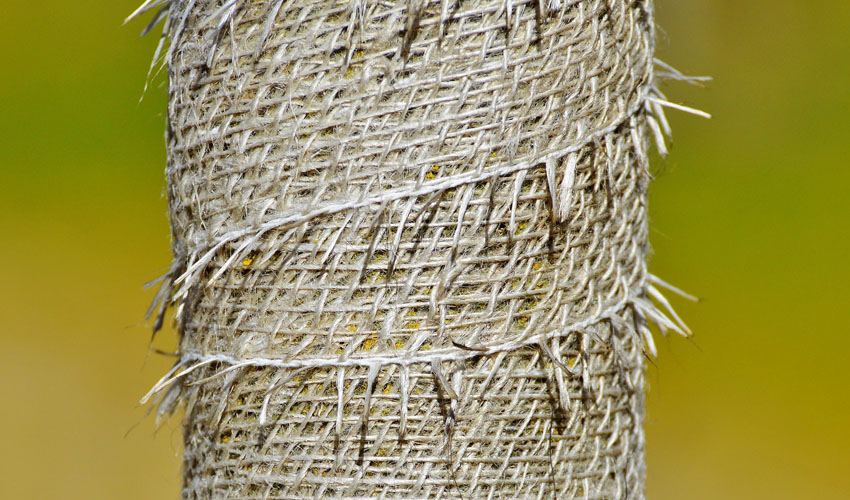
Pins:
<point x="410" y="244"/>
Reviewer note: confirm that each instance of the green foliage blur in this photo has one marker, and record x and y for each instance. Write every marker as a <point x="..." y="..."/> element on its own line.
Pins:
<point x="750" y="211"/>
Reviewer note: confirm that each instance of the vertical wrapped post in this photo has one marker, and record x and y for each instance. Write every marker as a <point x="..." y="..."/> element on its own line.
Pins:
<point x="410" y="244"/>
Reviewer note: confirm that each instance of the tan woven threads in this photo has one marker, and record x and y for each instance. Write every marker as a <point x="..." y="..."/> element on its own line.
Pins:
<point x="410" y="244"/>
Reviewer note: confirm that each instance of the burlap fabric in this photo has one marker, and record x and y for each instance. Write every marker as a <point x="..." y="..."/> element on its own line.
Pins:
<point x="410" y="246"/>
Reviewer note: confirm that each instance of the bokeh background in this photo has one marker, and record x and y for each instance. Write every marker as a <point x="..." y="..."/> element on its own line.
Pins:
<point x="751" y="211"/>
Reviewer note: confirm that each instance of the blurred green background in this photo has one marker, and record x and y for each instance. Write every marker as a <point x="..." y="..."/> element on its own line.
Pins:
<point x="750" y="212"/>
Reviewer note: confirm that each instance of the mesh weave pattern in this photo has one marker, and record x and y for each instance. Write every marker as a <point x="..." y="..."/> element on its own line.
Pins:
<point x="410" y="242"/>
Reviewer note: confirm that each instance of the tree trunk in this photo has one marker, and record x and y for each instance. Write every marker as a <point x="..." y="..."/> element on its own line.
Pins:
<point x="410" y="245"/>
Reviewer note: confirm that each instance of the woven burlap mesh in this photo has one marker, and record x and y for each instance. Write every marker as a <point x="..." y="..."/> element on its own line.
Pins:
<point x="410" y="246"/>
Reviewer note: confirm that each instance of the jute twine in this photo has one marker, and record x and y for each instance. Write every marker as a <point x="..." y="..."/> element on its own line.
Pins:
<point x="410" y="245"/>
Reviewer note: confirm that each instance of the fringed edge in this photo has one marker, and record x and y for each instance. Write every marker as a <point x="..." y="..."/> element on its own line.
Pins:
<point x="166" y="12"/>
<point x="649" y="308"/>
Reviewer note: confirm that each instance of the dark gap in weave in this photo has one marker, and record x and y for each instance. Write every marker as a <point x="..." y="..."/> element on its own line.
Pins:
<point x="449" y="421"/>
<point x="559" y="418"/>
<point x="364" y="422"/>
<point x="645" y="15"/>
<point x="393" y="248"/>
<point x="190" y="303"/>
<point x="550" y="449"/>
<point x="227" y="389"/>
<point x="408" y="33"/>
<point x="491" y="202"/>
<point x="539" y="15"/>
<point x="587" y="394"/>
<point x="431" y="207"/>
<point x="263" y="432"/>
<point x="281" y="379"/>
<point x="635" y="332"/>
<point x="559" y="413"/>
<point x="162" y="299"/>
<point x="446" y="23"/>
<point x="374" y="232"/>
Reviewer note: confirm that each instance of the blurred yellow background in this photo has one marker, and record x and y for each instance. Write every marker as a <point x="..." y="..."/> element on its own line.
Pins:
<point x="750" y="211"/>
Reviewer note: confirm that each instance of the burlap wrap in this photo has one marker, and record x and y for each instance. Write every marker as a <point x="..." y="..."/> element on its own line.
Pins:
<point x="410" y="246"/>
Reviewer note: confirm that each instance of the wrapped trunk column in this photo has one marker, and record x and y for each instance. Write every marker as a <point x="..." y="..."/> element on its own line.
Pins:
<point x="410" y="246"/>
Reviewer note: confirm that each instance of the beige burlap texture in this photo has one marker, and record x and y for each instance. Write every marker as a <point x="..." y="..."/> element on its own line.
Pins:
<point x="410" y="244"/>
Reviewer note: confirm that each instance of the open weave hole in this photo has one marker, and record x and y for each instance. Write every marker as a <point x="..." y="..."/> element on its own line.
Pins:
<point x="410" y="246"/>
